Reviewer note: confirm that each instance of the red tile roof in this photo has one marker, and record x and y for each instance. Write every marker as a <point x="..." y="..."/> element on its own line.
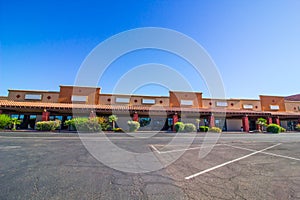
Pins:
<point x="69" y="106"/>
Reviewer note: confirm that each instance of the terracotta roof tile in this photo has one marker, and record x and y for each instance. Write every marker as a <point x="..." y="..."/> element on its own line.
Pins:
<point x="46" y="105"/>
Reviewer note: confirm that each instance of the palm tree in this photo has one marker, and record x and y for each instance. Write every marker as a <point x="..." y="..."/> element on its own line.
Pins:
<point x="15" y="122"/>
<point x="113" y="119"/>
<point x="261" y="122"/>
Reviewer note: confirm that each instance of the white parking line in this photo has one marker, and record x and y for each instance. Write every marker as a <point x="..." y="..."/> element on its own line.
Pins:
<point x="176" y="150"/>
<point x="9" y="147"/>
<point x="229" y="162"/>
<point x="267" y="153"/>
<point x="155" y="149"/>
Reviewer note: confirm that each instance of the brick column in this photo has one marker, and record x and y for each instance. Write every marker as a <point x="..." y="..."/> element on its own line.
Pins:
<point x="245" y="122"/>
<point x="45" y="116"/>
<point x="276" y="121"/>
<point x="175" y="119"/>
<point x="211" y="120"/>
<point x="269" y="120"/>
<point x="135" y="117"/>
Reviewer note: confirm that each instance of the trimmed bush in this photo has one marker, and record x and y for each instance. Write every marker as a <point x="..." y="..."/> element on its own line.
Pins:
<point x="103" y="123"/>
<point x="282" y="130"/>
<point x="5" y="120"/>
<point x="273" y="128"/>
<point x="203" y="128"/>
<point x="84" y="124"/>
<point x="297" y="127"/>
<point x="47" y="125"/>
<point x="179" y="127"/>
<point x="133" y="126"/>
<point x="215" y="130"/>
<point x="189" y="127"/>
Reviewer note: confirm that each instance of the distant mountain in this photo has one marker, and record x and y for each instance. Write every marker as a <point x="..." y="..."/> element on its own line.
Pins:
<point x="295" y="97"/>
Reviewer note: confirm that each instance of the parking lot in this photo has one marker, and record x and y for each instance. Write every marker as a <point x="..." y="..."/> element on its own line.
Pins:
<point x="237" y="166"/>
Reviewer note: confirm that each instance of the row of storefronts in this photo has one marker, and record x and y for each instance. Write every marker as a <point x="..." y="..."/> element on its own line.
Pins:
<point x="153" y="112"/>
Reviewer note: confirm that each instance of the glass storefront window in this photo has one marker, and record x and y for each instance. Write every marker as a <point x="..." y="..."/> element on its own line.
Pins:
<point x="145" y="121"/>
<point x="14" y="116"/>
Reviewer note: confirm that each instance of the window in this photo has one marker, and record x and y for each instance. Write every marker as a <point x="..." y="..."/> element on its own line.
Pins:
<point x="32" y="117"/>
<point x="33" y="96"/>
<point x="221" y="104"/>
<point x="79" y="98"/>
<point x="145" y="121"/>
<point x="274" y="107"/>
<point x="186" y="102"/>
<point x="248" y="106"/>
<point x="122" y="100"/>
<point x="148" y="101"/>
<point x="14" y="116"/>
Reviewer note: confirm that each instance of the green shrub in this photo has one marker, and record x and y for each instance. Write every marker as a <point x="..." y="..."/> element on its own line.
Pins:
<point x="203" y="128"/>
<point x="189" y="127"/>
<point x="273" y="128"/>
<point x="282" y="130"/>
<point x="215" y="130"/>
<point x="85" y="124"/>
<point x="179" y="127"/>
<point x="103" y="121"/>
<point x="5" y="120"/>
<point x="47" y="125"/>
<point x="297" y="127"/>
<point x="133" y="126"/>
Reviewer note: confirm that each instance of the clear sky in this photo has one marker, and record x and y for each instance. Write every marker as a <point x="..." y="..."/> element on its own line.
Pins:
<point x="254" y="43"/>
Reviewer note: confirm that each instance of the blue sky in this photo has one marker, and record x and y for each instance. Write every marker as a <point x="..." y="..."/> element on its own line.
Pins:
<point x="254" y="43"/>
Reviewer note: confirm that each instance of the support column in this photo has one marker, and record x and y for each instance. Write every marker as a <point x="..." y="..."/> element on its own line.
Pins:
<point x="135" y="117"/>
<point x="245" y="122"/>
<point x="45" y="115"/>
<point x="92" y="115"/>
<point x="211" y="120"/>
<point x="175" y="120"/>
<point x="269" y="120"/>
<point x="276" y="121"/>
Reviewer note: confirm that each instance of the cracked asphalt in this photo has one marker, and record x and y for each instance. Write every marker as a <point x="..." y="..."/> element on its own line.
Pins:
<point x="58" y="166"/>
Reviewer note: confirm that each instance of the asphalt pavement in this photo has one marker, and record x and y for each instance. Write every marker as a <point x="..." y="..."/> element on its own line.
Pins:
<point x="176" y="166"/>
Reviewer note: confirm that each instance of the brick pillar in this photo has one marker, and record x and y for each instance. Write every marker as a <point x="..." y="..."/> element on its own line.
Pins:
<point x="211" y="120"/>
<point x="276" y="121"/>
<point x="269" y="120"/>
<point x="245" y="122"/>
<point x="135" y="117"/>
<point x="45" y="116"/>
<point x="175" y="119"/>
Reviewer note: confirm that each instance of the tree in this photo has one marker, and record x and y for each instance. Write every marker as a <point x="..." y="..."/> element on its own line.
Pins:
<point x="113" y="119"/>
<point x="15" y="122"/>
<point x="261" y="122"/>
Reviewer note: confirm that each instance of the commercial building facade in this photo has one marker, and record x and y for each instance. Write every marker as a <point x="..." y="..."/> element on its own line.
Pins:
<point x="153" y="112"/>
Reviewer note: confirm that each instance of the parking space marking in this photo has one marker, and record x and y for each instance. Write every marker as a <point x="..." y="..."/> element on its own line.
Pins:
<point x="229" y="162"/>
<point x="9" y="147"/>
<point x="155" y="149"/>
<point x="267" y="153"/>
<point x="177" y="150"/>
